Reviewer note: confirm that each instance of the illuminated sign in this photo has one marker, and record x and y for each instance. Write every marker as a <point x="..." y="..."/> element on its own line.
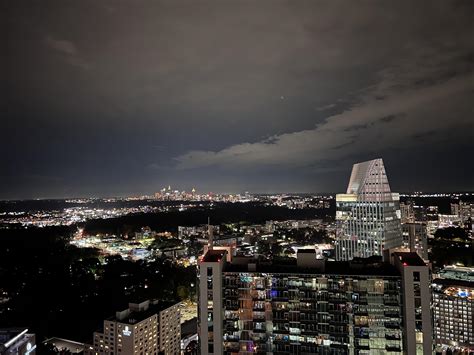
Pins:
<point x="126" y="331"/>
<point x="30" y="348"/>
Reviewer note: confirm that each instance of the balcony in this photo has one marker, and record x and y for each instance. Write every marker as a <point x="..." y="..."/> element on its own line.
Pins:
<point x="281" y="331"/>
<point x="309" y="332"/>
<point x="308" y="320"/>
<point x="337" y="300"/>
<point x="390" y="302"/>
<point x="392" y="325"/>
<point x="338" y="322"/>
<point x="361" y="336"/>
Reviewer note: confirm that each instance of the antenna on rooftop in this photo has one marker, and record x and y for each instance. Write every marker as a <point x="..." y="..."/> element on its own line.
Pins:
<point x="210" y="233"/>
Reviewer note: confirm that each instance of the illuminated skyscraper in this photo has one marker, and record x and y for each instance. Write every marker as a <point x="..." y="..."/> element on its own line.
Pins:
<point x="368" y="214"/>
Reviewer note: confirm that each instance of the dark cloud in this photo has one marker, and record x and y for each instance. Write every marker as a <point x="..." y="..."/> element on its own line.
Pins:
<point x="60" y="45"/>
<point x="114" y="97"/>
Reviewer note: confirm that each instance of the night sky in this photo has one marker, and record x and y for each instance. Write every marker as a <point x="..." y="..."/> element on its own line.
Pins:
<point x="115" y="98"/>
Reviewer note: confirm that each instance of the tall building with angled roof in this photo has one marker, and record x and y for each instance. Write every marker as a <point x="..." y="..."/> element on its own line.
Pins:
<point x="368" y="214"/>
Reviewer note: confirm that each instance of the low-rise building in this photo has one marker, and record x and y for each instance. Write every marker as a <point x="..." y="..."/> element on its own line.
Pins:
<point x="17" y="341"/>
<point x="61" y="345"/>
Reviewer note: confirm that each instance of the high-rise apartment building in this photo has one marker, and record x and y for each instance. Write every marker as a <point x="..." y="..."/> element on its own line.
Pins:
<point x="453" y="309"/>
<point x="455" y="209"/>
<point x="368" y="214"/>
<point x="448" y="220"/>
<point x="310" y="306"/>
<point x="417" y="326"/>
<point x="466" y="213"/>
<point x="415" y="238"/>
<point x="149" y="327"/>
<point x="407" y="212"/>
<point x="464" y="210"/>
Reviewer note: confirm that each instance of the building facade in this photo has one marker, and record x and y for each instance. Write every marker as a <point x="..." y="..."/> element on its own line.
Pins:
<point x="308" y="306"/>
<point x="464" y="210"/>
<point x="415" y="238"/>
<point x="407" y="212"/>
<point x="368" y="214"/>
<point x="170" y="330"/>
<point x="453" y="309"/>
<point x="417" y="326"/>
<point x="149" y="327"/>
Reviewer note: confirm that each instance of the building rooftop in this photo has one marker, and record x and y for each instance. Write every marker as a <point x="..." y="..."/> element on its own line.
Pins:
<point x="369" y="178"/>
<point x="410" y="259"/>
<point x="457" y="273"/>
<point x="137" y="312"/>
<point x="452" y="282"/>
<point x="368" y="267"/>
<point x="73" y="347"/>
<point x="213" y="256"/>
<point x="454" y="288"/>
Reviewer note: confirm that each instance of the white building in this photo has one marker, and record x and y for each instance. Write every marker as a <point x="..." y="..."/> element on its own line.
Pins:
<point x="448" y="220"/>
<point x="368" y="214"/>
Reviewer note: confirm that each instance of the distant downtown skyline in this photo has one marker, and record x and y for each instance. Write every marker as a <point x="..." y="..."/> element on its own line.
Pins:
<point x="106" y="98"/>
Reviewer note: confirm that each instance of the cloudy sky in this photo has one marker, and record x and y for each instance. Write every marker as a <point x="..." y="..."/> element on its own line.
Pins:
<point x="104" y="98"/>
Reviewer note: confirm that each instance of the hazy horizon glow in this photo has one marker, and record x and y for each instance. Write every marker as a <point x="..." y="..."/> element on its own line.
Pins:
<point x="117" y="98"/>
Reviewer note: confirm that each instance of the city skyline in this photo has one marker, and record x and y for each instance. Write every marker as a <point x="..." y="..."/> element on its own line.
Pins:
<point x="150" y="194"/>
<point x="114" y="99"/>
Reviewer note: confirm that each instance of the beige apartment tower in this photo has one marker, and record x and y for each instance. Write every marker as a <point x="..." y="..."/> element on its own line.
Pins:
<point x="149" y="327"/>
